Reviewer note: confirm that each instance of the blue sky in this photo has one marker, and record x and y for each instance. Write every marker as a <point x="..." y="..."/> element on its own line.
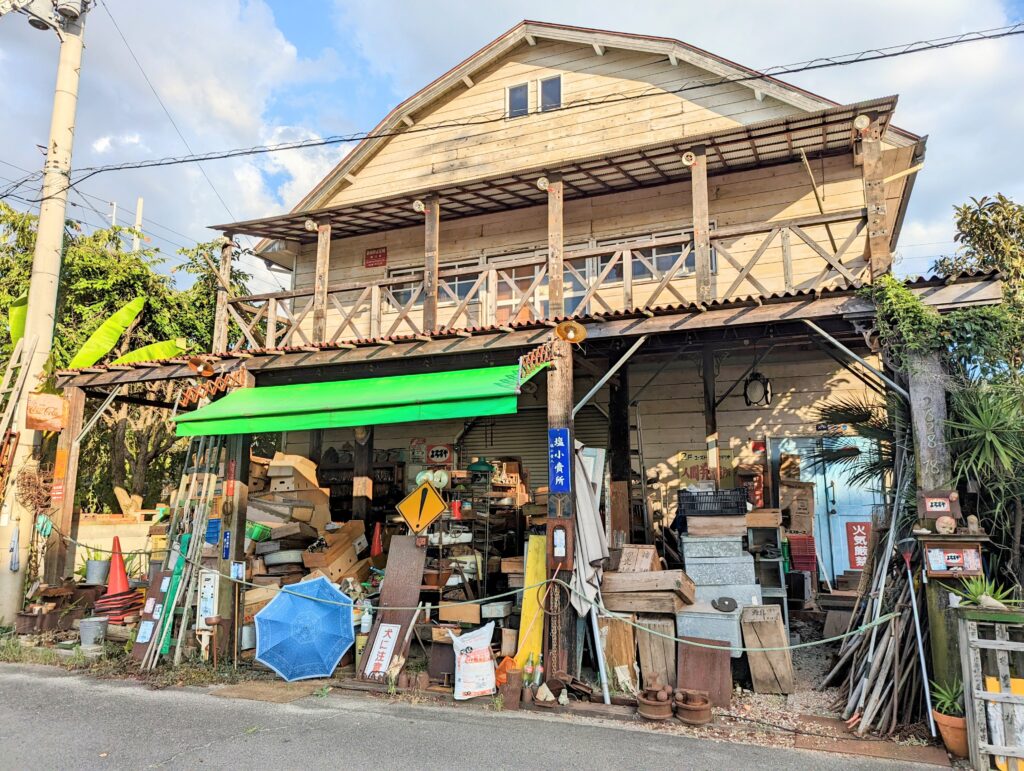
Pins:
<point x="242" y="72"/>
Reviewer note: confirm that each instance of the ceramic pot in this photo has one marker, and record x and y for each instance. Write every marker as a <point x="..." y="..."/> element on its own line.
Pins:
<point x="954" y="733"/>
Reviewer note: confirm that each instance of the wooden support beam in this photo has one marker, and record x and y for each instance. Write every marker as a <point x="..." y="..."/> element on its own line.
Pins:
<point x="316" y="445"/>
<point x="362" y="473"/>
<point x="408" y="121"/>
<point x="927" y="380"/>
<point x="556" y="246"/>
<point x="701" y="223"/>
<point x="431" y="255"/>
<point x="62" y="493"/>
<point x="232" y="536"/>
<point x="323" y="265"/>
<point x="879" y="254"/>
<point x="619" y="466"/>
<point x="221" y="319"/>
<point x="710" y="411"/>
<point x="560" y="625"/>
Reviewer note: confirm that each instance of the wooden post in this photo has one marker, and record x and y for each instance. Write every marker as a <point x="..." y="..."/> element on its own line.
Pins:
<point x="220" y="316"/>
<point x="556" y="246"/>
<point x="701" y="223"/>
<point x="271" y="339"/>
<point x="560" y="624"/>
<point x="232" y="543"/>
<point x="362" y="473"/>
<point x="927" y="381"/>
<point x="316" y="445"/>
<point x="879" y="254"/>
<point x="323" y="266"/>
<point x="619" y="466"/>
<point x="375" y="311"/>
<point x="710" y="414"/>
<point x="62" y="493"/>
<point x="431" y="255"/>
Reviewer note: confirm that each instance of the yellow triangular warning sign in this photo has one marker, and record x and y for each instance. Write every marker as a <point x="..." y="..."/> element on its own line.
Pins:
<point x="421" y="507"/>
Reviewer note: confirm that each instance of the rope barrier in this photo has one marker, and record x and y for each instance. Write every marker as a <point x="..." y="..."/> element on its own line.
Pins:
<point x="602" y="611"/>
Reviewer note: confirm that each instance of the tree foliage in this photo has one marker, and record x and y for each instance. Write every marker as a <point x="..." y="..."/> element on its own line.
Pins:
<point x="99" y="276"/>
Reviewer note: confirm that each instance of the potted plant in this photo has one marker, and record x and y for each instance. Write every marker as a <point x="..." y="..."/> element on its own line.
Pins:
<point x="948" y="711"/>
<point x="96" y="567"/>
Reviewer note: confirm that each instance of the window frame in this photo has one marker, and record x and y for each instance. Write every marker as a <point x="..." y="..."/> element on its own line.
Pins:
<point x="508" y="100"/>
<point x="540" y="93"/>
<point x="412" y="271"/>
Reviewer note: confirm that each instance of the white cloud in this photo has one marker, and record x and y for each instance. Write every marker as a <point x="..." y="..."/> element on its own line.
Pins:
<point x="103" y="144"/>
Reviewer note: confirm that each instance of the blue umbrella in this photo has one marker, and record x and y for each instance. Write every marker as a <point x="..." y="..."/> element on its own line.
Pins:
<point x="305" y="630"/>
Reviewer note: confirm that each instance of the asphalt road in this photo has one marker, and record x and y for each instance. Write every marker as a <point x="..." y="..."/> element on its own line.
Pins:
<point x="52" y="720"/>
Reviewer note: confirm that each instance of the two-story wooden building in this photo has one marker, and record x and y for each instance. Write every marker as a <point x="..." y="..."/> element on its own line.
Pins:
<point x="708" y="226"/>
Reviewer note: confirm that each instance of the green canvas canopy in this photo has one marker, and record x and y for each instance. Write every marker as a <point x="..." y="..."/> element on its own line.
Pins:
<point x="367" y="402"/>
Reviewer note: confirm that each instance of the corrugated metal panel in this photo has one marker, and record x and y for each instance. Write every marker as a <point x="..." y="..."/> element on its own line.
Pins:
<point x="525" y="435"/>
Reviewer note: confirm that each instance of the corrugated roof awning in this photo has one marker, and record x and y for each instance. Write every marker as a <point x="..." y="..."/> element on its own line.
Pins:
<point x="366" y="402"/>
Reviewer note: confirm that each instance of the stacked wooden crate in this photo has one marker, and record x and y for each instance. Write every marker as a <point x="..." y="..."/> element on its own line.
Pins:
<point x="295" y="550"/>
<point x="651" y="597"/>
<point x="290" y="492"/>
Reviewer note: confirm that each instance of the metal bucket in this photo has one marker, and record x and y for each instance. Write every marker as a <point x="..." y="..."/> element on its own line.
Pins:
<point x="93" y="631"/>
<point x="96" y="572"/>
<point x="248" y="637"/>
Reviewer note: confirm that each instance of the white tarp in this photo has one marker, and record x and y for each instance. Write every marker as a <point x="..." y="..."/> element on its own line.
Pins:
<point x="591" y="544"/>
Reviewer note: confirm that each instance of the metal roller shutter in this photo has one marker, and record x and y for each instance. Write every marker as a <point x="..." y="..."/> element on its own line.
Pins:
<point x="525" y="435"/>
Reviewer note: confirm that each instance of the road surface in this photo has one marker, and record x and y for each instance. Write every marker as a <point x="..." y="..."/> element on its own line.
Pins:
<point x="50" y="719"/>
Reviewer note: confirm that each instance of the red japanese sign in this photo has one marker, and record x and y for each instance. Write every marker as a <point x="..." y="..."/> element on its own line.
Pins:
<point x="376" y="257"/>
<point x="858" y="535"/>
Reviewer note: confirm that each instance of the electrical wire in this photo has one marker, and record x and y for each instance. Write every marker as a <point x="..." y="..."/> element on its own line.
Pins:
<point x="873" y="54"/>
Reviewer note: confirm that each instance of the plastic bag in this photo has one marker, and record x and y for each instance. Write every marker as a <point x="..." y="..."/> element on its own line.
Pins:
<point x="474" y="665"/>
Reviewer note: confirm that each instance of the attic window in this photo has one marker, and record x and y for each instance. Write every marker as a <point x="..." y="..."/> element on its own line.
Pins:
<point x="518" y="100"/>
<point x="551" y="93"/>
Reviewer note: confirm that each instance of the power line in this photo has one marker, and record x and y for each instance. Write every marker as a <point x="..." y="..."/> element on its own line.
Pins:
<point x="170" y="119"/>
<point x="873" y="54"/>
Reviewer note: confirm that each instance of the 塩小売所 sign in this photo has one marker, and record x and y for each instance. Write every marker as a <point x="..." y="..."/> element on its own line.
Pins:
<point x="559" y="461"/>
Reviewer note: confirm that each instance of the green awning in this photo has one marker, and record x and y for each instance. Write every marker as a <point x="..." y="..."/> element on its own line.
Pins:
<point x="368" y="402"/>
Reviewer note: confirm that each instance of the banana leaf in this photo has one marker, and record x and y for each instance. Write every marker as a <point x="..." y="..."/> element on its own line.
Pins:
<point x="16" y="318"/>
<point x="165" y="349"/>
<point x="105" y="338"/>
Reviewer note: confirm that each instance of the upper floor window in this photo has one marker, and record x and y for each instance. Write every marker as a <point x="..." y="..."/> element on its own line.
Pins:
<point x="551" y="93"/>
<point x="518" y="100"/>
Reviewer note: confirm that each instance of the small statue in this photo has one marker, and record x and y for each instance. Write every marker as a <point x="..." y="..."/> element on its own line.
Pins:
<point x="973" y="527"/>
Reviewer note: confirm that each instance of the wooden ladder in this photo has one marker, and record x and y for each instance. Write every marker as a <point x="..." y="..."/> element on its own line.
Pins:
<point x="11" y="387"/>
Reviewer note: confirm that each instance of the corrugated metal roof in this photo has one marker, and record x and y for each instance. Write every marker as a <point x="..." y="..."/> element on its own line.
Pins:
<point x="838" y="288"/>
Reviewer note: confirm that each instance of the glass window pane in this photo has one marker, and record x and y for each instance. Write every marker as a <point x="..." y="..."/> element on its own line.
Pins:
<point x="551" y="93"/>
<point x="615" y="274"/>
<point x="518" y="100"/>
<point x="640" y="270"/>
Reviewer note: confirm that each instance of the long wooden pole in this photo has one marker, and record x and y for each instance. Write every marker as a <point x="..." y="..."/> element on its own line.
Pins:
<point x="556" y="246"/>
<point x="65" y="481"/>
<point x="323" y="266"/>
<point x="220" y="314"/>
<point x="701" y="223"/>
<point x="873" y="172"/>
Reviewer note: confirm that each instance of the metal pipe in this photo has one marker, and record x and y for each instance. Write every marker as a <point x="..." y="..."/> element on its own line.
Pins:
<point x="599" y="653"/>
<point x="860" y="360"/>
<point x="608" y="375"/>
<point x="920" y="651"/>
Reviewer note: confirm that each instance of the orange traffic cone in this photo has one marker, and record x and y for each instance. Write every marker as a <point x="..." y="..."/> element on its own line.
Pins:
<point x="377" y="547"/>
<point x="118" y="581"/>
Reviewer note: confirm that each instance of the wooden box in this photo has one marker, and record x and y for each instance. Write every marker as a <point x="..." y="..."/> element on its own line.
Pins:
<point x="652" y="581"/>
<point x="643" y="602"/>
<point x="764" y="518"/>
<point x="465" y="613"/>
<point x="337" y="542"/>
<point x="698" y="526"/>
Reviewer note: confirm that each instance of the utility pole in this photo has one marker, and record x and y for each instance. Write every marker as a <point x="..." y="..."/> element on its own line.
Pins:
<point x="138" y="224"/>
<point x="67" y="19"/>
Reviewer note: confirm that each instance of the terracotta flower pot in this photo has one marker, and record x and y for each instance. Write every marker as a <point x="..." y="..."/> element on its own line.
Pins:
<point x="954" y="733"/>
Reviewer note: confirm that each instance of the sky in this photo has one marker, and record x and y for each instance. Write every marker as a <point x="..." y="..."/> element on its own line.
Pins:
<point x="236" y="73"/>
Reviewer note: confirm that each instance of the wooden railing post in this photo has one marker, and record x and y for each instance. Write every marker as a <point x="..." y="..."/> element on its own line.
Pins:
<point x="272" y="323"/>
<point x="879" y="254"/>
<point x="701" y="223"/>
<point x="220" y="315"/>
<point x="491" y="307"/>
<point x="431" y="256"/>
<point x="375" y="311"/>
<point x="323" y="266"/>
<point x="556" y="246"/>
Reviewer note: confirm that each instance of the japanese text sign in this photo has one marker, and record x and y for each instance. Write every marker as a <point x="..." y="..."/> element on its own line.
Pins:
<point x="559" y="461"/>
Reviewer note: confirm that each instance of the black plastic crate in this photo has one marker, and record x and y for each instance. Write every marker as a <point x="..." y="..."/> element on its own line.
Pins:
<point x="714" y="503"/>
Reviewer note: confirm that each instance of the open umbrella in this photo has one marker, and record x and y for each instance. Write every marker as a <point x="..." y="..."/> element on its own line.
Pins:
<point x="305" y="630"/>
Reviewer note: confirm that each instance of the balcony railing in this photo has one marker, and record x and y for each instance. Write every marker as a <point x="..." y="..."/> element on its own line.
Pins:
<point x="784" y="256"/>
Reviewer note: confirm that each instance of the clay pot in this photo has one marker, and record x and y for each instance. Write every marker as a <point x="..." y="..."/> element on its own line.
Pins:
<point x="422" y="681"/>
<point x="693" y="707"/>
<point x="954" y="733"/>
<point x="403" y="680"/>
<point x="652" y="709"/>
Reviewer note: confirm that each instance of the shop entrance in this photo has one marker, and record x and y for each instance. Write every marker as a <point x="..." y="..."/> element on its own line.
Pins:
<point x="839" y="504"/>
